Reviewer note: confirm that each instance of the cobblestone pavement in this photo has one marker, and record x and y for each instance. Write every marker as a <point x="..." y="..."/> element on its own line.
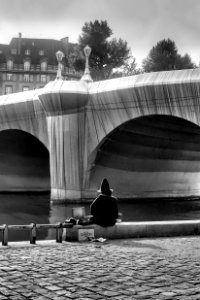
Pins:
<point x="167" y="268"/>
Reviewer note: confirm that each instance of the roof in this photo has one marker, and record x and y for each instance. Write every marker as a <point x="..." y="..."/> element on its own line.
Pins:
<point x="49" y="46"/>
<point x="5" y="52"/>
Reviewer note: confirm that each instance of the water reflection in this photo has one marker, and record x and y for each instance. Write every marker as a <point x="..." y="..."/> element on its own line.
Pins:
<point x="161" y="210"/>
<point x="24" y="209"/>
<point x="36" y="208"/>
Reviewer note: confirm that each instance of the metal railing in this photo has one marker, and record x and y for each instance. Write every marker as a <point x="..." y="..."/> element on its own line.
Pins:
<point x="33" y="230"/>
<point x="37" y="69"/>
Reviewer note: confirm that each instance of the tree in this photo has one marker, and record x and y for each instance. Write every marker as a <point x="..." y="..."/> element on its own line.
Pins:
<point x="127" y="69"/>
<point x="164" y="56"/>
<point x="106" y="53"/>
<point x="185" y="62"/>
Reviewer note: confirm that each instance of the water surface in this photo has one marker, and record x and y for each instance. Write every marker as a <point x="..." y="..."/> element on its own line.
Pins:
<point x="36" y="208"/>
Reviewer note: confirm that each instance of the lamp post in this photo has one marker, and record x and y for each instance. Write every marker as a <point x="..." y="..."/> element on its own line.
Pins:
<point x="59" y="56"/>
<point x="86" y="76"/>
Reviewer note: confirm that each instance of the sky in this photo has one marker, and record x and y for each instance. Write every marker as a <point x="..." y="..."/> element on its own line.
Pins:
<point x="142" y="23"/>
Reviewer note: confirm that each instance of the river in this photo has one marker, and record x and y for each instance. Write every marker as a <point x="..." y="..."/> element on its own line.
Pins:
<point x="26" y="208"/>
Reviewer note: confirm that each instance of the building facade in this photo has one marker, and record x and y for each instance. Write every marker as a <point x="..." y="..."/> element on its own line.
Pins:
<point x="27" y="63"/>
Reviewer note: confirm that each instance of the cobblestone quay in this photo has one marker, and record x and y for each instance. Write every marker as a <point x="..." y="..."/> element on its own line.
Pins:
<point x="162" y="268"/>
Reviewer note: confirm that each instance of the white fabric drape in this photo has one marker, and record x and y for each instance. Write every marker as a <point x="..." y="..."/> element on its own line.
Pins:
<point x="73" y="118"/>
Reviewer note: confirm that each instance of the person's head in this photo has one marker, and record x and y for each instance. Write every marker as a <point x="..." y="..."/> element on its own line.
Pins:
<point x="105" y="188"/>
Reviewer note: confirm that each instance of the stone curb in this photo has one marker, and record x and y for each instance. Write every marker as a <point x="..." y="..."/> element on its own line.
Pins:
<point x="126" y="230"/>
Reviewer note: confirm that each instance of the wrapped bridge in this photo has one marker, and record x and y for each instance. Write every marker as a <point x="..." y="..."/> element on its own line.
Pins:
<point x="141" y="132"/>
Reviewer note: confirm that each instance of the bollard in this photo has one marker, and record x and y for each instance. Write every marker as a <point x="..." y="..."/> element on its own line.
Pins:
<point x="33" y="234"/>
<point x="59" y="232"/>
<point x="5" y="235"/>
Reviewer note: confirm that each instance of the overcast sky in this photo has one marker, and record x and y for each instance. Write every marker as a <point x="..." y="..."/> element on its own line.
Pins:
<point x="142" y="23"/>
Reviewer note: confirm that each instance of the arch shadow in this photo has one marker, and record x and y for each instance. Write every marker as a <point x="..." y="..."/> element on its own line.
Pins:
<point x="24" y="162"/>
<point x="150" y="156"/>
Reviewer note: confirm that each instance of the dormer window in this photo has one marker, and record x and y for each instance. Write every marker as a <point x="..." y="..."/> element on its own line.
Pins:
<point x="43" y="66"/>
<point x="41" y="52"/>
<point x="27" y="65"/>
<point x="27" y="52"/>
<point x="9" y="64"/>
<point x="14" y="51"/>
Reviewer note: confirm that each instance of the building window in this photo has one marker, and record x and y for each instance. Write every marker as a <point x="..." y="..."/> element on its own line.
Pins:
<point x="27" y="51"/>
<point x="43" y="78"/>
<point x="8" y="89"/>
<point x="41" y="52"/>
<point x="25" y="88"/>
<point x="43" y="66"/>
<point x="13" y="51"/>
<point x="27" y="65"/>
<point x="26" y="77"/>
<point x="9" y="64"/>
<point x="9" y="76"/>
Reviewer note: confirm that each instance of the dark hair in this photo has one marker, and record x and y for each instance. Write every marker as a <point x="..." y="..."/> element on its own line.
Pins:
<point x="105" y="188"/>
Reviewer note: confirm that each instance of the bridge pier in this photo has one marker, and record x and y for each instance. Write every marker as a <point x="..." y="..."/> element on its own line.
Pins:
<point x="65" y="115"/>
<point x="66" y="147"/>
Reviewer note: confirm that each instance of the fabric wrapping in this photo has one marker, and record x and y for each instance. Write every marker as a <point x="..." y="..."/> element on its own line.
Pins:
<point x="73" y="120"/>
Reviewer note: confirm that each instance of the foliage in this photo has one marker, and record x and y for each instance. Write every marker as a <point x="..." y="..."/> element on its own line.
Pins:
<point x="164" y="56"/>
<point x="106" y="53"/>
<point x="185" y="62"/>
<point x="128" y="69"/>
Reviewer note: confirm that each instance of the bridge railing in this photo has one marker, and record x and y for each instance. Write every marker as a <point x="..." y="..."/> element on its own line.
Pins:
<point x="33" y="230"/>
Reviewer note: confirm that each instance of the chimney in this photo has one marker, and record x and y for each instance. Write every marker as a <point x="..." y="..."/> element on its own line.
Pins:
<point x="65" y="44"/>
<point x="19" y="43"/>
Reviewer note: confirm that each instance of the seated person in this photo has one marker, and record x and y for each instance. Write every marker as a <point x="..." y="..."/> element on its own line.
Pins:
<point x="104" y="208"/>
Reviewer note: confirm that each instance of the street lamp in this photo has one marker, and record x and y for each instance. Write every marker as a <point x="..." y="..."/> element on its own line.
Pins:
<point x="59" y="56"/>
<point x="86" y="76"/>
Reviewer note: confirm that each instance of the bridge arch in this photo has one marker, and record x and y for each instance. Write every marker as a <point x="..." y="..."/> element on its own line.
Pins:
<point x="150" y="156"/>
<point x="24" y="162"/>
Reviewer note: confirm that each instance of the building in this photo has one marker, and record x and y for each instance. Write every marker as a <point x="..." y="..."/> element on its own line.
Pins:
<point x="29" y="63"/>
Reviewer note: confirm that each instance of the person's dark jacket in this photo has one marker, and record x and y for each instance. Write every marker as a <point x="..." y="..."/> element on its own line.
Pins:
<point x="104" y="210"/>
